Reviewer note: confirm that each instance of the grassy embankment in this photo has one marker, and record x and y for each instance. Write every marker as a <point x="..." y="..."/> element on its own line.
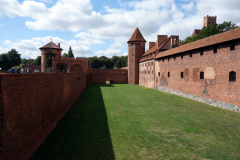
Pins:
<point x="133" y="122"/>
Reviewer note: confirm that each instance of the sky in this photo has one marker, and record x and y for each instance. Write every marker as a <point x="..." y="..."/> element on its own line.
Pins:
<point x="102" y="27"/>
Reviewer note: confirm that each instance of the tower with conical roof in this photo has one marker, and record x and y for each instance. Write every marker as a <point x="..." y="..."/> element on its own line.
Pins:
<point x="50" y="47"/>
<point x="136" y="48"/>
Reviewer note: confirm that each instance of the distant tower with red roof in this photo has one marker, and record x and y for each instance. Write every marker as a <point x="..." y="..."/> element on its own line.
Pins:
<point x="50" y="47"/>
<point x="136" y="48"/>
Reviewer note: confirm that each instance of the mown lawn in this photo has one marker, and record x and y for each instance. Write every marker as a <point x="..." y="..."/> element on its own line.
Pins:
<point x="133" y="122"/>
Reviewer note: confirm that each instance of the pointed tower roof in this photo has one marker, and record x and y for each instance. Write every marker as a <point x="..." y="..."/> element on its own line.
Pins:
<point x="137" y="36"/>
<point x="51" y="45"/>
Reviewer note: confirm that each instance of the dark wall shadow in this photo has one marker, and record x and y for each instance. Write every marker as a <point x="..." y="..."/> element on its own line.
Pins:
<point x="83" y="133"/>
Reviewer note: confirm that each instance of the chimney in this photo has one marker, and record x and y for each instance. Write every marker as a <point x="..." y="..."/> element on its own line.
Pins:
<point x="160" y="39"/>
<point x="151" y="44"/>
<point x="174" y="40"/>
<point x="59" y="45"/>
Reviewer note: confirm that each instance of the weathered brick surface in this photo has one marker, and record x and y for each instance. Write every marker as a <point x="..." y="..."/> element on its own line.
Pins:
<point x="100" y="76"/>
<point x="216" y="68"/>
<point x="31" y="106"/>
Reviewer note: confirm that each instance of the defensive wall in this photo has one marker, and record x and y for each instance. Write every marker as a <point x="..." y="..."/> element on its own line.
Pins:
<point x="30" y="107"/>
<point x="206" y="70"/>
<point x="100" y="76"/>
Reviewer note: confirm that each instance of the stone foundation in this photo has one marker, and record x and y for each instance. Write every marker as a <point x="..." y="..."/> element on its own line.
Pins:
<point x="211" y="102"/>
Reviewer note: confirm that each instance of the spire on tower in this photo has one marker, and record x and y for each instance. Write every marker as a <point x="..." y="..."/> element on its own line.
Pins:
<point x="137" y="36"/>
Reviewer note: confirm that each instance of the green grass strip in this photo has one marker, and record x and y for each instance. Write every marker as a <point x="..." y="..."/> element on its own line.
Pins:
<point x="132" y="122"/>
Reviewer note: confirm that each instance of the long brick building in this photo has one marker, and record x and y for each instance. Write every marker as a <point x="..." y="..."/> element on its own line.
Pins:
<point x="205" y="70"/>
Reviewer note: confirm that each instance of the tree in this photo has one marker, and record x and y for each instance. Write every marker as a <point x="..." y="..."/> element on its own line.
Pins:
<point x="65" y="55"/>
<point x="209" y="31"/>
<point x="4" y="63"/>
<point x="37" y="61"/>
<point x="70" y="53"/>
<point x="13" y="57"/>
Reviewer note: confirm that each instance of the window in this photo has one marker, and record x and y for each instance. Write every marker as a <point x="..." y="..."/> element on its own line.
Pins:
<point x="45" y="49"/>
<point x="152" y="63"/>
<point x="201" y="75"/>
<point x="58" y="50"/>
<point x="215" y="49"/>
<point x="145" y="64"/>
<point x="163" y="59"/>
<point x="168" y="74"/>
<point x="152" y="71"/>
<point x="190" y="54"/>
<point x="232" y="76"/>
<point x="158" y="74"/>
<point x="201" y="52"/>
<point x="174" y="57"/>
<point x="181" y="56"/>
<point x="145" y="72"/>
<point x="181" y="74"/>
<point x="51" y="50"/>
<point x="232" y="46"/>
<point x="168" y="58"/>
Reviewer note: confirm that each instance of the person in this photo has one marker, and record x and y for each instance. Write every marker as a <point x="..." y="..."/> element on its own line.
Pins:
<point x="12" y="70"/>
<point x="30" y="70"/>
<point x="18" y="70"/>
<point x="22" y="70"/>
<point x="27" y="70"/>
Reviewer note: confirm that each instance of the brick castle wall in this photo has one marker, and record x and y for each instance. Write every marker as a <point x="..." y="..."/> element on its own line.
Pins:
<point x="30" y="107"/>
<point x="100" y="76"/>
<point x="216" y="67"/>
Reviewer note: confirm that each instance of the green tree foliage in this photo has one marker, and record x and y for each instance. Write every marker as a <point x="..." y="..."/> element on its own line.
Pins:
<point x="37" y="61"/>
<point x="70" y="52"/>
<point x="65" y="55"/>
<point x="105" y="62"/>
<point x="122" y="62"/>
<point x="10" y="59"/>
<point x="209" y="31"/>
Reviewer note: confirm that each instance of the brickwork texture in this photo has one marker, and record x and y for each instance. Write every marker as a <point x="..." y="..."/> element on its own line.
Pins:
<point x="30" y="107"/>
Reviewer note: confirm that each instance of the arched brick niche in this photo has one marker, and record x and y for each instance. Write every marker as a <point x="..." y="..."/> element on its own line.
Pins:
<point x="76" y="68"/>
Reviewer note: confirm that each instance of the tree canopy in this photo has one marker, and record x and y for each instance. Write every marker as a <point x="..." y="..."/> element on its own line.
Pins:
<point x="209" y="31"/>
<point x="105" y="62"/>
<point x="10" y="59"/>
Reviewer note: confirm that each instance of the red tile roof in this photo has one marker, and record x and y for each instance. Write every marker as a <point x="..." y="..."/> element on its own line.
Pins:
<point x="136" y="36"/>
<point x="50" y="45"/>
<point x="215" y="39"/>
<point x="153" y="50"/>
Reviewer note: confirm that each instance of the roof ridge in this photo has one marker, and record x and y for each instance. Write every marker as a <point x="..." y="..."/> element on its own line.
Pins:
<point x="208" y="41"/>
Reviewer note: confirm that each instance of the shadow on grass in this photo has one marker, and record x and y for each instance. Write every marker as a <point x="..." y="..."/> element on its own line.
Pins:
<point x="82" y="133"/>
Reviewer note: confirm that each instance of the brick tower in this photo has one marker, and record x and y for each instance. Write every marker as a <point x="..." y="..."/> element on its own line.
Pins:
<point x="136" y="48"/>
<point x="50" y="47"/>
<point x="209" y="20"/>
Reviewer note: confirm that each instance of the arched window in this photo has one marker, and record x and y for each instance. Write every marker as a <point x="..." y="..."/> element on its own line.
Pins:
<point x="181" y="74"/>
<point x="168" y="74"/>
<point x="201" y="75"/>
<point x="232" y="76"/>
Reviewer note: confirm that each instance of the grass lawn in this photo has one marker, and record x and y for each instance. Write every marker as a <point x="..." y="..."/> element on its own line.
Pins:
<point x="133" y="122"/>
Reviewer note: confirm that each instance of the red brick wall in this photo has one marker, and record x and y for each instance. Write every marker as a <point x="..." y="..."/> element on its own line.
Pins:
<point x="215" y="86"/>
<point x="147" y="80"/>
<point x="100" y="76"/>
<point x="31" y="105"/>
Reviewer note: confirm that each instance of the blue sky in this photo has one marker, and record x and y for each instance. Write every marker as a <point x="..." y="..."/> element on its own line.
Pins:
<point x="102" y="27"/>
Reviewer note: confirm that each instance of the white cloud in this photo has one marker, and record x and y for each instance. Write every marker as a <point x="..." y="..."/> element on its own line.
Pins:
<point x="29" y="48"/>
<point x="153" y="17"/>
<point x="109" y="53"/>
<point x="188" y="7"/>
